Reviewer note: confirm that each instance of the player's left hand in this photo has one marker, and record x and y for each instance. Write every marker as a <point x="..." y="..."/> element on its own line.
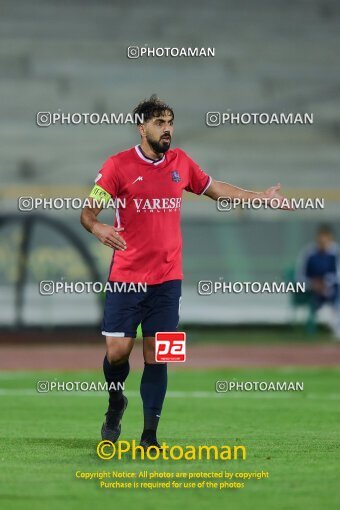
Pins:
<point x="273" y="193"/>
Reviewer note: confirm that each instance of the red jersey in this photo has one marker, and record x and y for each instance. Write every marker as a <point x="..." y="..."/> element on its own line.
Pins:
<point x="150" y="194"/>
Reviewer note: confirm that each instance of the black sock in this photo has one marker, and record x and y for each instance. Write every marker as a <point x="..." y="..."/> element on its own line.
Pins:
<point x="152" y="389"/>
<point x="115" y="375"/>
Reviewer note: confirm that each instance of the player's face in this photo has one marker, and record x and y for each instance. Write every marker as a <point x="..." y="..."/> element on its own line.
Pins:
<point x="158" y="132"/>
<point x="324" y="240"/>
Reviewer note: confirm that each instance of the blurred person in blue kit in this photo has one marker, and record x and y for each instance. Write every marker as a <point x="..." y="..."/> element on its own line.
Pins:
<point x="319" y="268"/>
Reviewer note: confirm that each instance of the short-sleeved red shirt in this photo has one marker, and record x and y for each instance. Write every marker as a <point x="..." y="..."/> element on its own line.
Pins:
<point x="152" y="194"/>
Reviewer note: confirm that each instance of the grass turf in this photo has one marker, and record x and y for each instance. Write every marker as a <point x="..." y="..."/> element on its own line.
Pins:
<point x="295" y="436"/>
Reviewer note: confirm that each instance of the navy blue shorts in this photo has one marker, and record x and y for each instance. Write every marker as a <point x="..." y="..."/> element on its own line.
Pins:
<point x="157" y="309"/>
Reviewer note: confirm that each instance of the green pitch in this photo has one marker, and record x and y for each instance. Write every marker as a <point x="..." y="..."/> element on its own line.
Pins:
<point x="46" y="438"/>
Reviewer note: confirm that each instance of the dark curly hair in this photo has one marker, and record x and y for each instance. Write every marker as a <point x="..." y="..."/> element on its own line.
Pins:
<point x="152" y="107"/>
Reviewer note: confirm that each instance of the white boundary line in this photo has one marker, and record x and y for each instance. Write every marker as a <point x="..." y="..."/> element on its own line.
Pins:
<point x="181" y="394"/>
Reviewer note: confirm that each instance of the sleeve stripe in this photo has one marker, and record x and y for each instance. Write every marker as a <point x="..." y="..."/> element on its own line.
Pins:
<point x="207" y="186"/>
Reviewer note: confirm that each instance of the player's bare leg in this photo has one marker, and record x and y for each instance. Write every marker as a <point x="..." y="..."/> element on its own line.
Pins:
<point x="152" y="389"/>
<point x="149" y="352"/>
<point x="116" y="369"/>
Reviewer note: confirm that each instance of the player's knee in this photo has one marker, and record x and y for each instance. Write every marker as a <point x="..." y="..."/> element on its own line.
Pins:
<point x="117" y="355"/>
<point x="118" y="349"/>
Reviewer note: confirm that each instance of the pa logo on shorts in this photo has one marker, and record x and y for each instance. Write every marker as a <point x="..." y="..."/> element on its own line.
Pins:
<point x="175" y="176"/>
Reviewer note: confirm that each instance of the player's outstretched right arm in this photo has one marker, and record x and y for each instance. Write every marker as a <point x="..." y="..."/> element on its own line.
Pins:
<point x="106" y="234"/>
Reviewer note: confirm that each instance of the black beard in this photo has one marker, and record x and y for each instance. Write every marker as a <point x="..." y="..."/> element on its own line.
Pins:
<point x="159" y="147"/>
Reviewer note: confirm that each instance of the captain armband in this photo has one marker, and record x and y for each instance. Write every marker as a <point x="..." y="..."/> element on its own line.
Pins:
<point x="100" y="195"/>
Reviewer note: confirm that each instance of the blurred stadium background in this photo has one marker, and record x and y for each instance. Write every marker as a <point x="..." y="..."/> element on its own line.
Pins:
<point x="270" y="56"/>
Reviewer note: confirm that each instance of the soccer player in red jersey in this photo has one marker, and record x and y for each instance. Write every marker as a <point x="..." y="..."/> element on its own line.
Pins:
<point x="149" y="180"/>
